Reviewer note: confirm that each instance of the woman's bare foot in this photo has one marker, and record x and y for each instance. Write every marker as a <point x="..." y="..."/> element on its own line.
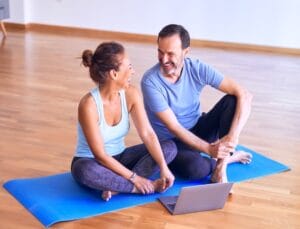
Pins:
<point x="107" y="195"/>
<point x="219" y="175"/>
<point x="240" y="156"/>
<point x="159" y="185"/>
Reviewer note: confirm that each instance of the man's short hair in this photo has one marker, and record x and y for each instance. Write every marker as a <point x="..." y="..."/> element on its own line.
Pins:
<point x="172" y="29"/>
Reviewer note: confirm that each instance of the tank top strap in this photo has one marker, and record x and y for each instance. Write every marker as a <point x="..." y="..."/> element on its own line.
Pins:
<point x="123" y="103"/>
<point x="97" y="98"/>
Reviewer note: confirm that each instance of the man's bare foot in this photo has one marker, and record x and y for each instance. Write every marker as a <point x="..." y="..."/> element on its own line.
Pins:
<point x="219" y="175"/>
<point x="240" y="156"/>
<point x="107" y="195"/>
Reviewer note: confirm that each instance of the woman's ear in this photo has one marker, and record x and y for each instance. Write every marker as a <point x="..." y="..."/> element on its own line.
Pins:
<point x="113" y="74"/>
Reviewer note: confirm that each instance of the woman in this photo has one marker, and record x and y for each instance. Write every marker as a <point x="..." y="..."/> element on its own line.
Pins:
<point x="101" y="160"/>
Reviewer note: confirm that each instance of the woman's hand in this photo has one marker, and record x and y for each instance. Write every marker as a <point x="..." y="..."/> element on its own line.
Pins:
<point x="143" y="185"/>
<point x="167" y="177"/>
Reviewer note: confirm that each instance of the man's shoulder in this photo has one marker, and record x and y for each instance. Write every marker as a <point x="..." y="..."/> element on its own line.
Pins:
<point x="193" y="63"/>
<point x="196" y="67"/>
<point x="150" y="74"/>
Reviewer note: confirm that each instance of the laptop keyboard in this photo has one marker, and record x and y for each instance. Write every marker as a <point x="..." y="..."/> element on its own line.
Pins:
<point x="171" y="206"/>
<point x="170" y="199"/>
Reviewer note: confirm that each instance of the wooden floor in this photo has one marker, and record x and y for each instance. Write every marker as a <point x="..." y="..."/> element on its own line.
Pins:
<point x="41" y="81"/>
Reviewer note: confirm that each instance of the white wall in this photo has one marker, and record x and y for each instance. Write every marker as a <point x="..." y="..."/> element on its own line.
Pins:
<point x="17" y="11"/>
<point x="261" y="22"/>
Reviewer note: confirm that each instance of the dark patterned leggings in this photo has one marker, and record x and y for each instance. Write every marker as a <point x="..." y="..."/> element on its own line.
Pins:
<point x="90" y="173"/>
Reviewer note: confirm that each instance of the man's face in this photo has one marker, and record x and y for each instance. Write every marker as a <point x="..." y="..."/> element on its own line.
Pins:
<point x="171" y="55"/>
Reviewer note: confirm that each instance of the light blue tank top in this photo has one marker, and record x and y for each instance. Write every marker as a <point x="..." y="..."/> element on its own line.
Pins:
<point x="113" y="136"/>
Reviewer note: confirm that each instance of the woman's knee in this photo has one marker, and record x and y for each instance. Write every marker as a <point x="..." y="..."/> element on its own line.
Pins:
<point x="169" y="150"/>
<point x="81" y="170"/>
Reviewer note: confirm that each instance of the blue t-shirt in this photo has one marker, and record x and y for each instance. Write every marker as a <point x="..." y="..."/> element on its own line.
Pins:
<point x="182" y="97"/>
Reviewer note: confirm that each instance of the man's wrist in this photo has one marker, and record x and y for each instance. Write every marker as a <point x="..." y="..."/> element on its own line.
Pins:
<point x="207" y="149"/>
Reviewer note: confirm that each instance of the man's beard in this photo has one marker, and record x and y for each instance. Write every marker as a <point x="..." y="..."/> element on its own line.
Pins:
<point x="171" y="69"/>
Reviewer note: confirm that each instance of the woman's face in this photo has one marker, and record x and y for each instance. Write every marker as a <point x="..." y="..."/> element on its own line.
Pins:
<point x="125" y="71"/>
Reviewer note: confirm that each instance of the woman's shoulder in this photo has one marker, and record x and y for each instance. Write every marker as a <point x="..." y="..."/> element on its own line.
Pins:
<point x="86" y="102"/>
<point x="133" y="96"/>
<point x="131" y="90"/>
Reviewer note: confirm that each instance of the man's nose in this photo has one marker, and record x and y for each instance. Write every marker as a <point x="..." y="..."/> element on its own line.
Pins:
<point x="164" y="58"/>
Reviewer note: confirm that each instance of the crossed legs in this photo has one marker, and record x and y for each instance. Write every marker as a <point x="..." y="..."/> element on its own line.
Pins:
<point x="90" y="173"/>
<point x="210" y="127"/>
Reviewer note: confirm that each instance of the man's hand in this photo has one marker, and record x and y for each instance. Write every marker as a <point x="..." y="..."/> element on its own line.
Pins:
<point x="230" y="139"/>
<point x="220" y="149"/>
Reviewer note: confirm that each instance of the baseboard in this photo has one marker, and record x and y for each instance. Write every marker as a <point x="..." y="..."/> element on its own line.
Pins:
<point x="10" y="26"/>
<point x="113" y="35"/>
<point x="245" y="47"/>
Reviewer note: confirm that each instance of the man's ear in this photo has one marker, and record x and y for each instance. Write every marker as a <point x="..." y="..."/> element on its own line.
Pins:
<point x="186" y="51"/>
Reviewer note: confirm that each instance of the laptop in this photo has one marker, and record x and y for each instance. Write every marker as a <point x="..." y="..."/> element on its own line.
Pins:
<point x="197" y="198"/>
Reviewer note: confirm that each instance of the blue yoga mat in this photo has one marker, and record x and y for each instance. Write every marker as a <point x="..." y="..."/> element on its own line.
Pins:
<point x="59" y="198"/>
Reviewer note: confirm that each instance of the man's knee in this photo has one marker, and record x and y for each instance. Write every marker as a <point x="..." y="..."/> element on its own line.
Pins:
<point x="230" y="101"/>
<point x="199" y="168"/>
<point x="191" y="165"/>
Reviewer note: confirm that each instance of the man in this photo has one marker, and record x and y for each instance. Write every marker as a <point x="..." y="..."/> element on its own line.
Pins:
<point x="171" y="92"/>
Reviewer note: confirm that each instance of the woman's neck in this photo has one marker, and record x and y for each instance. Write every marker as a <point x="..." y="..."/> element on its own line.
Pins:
<point x="108" y="92"/>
